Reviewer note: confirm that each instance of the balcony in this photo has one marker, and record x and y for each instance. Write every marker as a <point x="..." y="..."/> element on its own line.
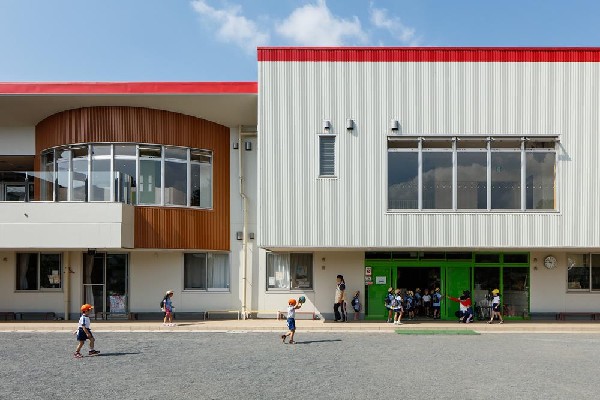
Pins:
<point x="46" y="210"/>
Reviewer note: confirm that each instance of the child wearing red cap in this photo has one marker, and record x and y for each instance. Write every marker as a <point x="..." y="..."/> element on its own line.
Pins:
<point x="84" y="332"/>
<point x="291" y="320"/>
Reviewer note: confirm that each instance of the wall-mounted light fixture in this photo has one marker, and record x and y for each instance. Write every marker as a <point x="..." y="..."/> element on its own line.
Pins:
<point x="326" y="125"/>
<point x="236" y="145"/>
<point x="251" y="236"/>
<point x="394" y="125"/>
<point x="239" y="235"/>
<point x="248" y="146"/>
<point x="349" y="124"/>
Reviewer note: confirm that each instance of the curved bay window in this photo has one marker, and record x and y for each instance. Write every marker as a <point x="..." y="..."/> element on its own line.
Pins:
<point x="158" y="175"/>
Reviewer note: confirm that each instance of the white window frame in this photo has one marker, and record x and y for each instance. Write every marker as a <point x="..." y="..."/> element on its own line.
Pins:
<point x="209" y="257"/>
<point x="291" y="279"/>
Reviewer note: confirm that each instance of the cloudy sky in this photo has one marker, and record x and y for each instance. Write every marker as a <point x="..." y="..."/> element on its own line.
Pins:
<point x="216" y="40"/>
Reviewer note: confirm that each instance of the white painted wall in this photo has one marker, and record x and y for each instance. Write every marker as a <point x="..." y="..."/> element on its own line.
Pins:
<point x="65" y="225"/>
<point x="321" y="298"/>
<point x="17" y="140"/>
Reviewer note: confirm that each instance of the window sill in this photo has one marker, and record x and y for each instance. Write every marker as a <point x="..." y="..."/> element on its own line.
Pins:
<point x="327" y="177"/>
<point x="276" y="291"/>
<point x="217" y="291"/>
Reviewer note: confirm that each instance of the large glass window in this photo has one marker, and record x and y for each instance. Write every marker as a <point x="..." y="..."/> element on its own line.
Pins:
<point x="63" y="168"/>
<point x="403" y="179"/>
<point x="578" y="272"/>
<point x="79" y="183"/>
<point x="176" y="167"/>
<point x="101" y="177"/>
<point x="150" y="177"/>
<point x="474" y="173"/>
<point x="201" y="177"/>
<point x="287" y="271"/>
<point x="515" y="294"/>
<point x="206" y="271"/>
<point x="506" y="180"/>
<point x="437" y="180"/>
<point x="471" y="185"/>
<point x="39" y="271"/>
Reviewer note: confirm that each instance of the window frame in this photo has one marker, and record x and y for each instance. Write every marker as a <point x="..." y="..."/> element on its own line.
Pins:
<point x="209" y="256"/>
<point x="291" y="275"/>
<point x="40" y="289"/>
<point x="489" y="150"/>
<point x="335" y="155"/>
<point x="590" y="267"/>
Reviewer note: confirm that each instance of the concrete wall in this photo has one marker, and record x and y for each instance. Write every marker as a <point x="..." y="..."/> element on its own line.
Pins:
<point x="18" y="141"/>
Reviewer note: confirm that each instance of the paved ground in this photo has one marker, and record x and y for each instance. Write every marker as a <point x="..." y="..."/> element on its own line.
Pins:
<point x="323" y="365"/>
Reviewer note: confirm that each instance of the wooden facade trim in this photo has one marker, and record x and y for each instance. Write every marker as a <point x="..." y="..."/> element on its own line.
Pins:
<point x="155" y="227"/>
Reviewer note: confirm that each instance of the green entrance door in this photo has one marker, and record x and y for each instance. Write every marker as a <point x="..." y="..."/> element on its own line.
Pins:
<point x="458" y="279"/>
<point x="381" y="278"/>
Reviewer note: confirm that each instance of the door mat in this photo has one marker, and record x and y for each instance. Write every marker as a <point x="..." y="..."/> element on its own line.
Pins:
<point x="436" y="332"/>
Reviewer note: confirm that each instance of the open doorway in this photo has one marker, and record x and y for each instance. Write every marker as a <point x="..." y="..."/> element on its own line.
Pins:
<point x="411" y="278"/>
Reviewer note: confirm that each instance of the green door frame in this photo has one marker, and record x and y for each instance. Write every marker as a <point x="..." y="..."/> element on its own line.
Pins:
<point x="388" y="267"/>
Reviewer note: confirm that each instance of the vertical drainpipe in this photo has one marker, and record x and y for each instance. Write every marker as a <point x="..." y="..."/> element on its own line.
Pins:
<point x="67" y="279"/>
<point x="245" y="221"/>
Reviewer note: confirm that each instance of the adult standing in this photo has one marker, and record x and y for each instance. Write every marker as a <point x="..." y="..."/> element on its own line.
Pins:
<point x="338" y="307"/>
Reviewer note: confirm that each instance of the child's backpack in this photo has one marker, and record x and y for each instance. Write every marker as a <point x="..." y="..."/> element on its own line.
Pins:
<point x="388" y="299"/>
<point x="162" y="303"/>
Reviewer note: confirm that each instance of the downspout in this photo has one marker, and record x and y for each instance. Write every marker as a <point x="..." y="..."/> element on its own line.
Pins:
<point x="67" y="279"/>
<point x="244" y="226"/>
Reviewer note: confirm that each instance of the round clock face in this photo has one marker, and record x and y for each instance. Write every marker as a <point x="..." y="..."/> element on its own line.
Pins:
<point x="550" y="262"/>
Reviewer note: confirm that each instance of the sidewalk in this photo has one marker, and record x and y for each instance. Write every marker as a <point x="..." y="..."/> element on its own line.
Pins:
<point x="269" y="325"/>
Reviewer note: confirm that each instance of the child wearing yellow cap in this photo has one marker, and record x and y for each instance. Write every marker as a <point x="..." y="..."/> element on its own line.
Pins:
<point x="496" y="306"/>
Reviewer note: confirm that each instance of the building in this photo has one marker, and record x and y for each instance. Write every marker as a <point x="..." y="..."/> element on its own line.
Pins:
<point x="457" y="168"/>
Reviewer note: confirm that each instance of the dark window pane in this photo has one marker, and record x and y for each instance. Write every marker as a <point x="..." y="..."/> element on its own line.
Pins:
<point x="516" y="258"/>
<point x="506" y="180"/>
<point x="459" y="256"/>
<point x="301" y="270"/>
<point x="540" y="173"/>
<point x="433" y="256"/>
<point x="194" y="271"/>
<point x="50" y="271"/>
<point x="405" y="255"/>
<point x="515" y="293"/>
<point x="437" y="180"/>
<point x="471" y="180"/>
<point x="595" y="271"/>
<point x="175" y="183"/>
<point x="372" y="255"/>
<point x="487" y="258"/>
<point x="578" y="271"/>
<point x="403" y="176"/>
<point x="27" y="272"/>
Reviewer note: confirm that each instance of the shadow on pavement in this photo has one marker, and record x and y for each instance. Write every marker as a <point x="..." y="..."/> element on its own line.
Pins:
<point x="117" y="354"/>
<point x="319" y="341"/>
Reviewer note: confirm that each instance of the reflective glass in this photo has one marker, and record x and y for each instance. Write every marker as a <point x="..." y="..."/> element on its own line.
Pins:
<point x="403" y="180"/>
<point x="471" y="185"/>
<point x="515" y="293"/>
<point x="540" y="180"/>
<point x="176" y="183"/>
<point x="506" y="180"/>
<point x="437" y="180"/>
<point x="150" y="183"/>
<point x="101" y="179"/>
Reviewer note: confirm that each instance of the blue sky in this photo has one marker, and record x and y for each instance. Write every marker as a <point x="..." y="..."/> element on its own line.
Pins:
<point x="215" y="40"/>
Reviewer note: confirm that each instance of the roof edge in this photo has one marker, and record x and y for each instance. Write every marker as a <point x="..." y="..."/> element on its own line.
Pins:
<point x="429" y="54"/>
<point x="128" y="88"/>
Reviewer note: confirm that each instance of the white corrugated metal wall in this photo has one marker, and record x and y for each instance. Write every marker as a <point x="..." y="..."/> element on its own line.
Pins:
<point x="299" y="210"/>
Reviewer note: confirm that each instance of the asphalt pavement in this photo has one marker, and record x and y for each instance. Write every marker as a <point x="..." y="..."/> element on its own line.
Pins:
<point x="322" y="365"/>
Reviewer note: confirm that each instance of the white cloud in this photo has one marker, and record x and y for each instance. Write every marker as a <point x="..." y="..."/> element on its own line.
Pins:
<point x="233" y="26"/>
<point x="401" y="32"/>
<point x="315" y="25"/>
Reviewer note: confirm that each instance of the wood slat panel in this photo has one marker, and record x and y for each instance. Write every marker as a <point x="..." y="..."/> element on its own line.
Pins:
<point x="155" y="227"/>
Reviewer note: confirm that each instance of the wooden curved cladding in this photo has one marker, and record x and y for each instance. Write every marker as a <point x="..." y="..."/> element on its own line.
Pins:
<point x="155" y="227"/>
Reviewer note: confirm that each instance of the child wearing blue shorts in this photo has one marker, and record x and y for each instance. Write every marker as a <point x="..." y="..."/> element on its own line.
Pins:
<point x="84" y="332"/>
<point x="291" y="321"/>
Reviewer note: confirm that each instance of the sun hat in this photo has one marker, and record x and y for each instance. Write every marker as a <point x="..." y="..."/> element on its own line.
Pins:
<point x="397" y="291"/>
<point x="169" y="292"/>
<point x="86" y="307"/>
<point x="495" y="291"/>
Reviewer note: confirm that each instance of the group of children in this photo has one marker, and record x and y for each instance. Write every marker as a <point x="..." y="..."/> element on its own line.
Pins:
<point x="411" y="304"/>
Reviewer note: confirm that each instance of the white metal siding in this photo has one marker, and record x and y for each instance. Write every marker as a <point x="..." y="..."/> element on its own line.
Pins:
<point x="299" y="210"/>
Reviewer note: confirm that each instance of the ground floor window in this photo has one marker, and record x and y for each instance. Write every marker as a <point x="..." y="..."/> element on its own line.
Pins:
<point x="287" y="271"/>
<point x="583" y="272"/>
<point x="39" y="271"/>
<point x="206" y="271"/>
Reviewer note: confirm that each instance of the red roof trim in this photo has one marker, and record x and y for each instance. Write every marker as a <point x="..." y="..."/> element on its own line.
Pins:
<point x="129" y="88"/>
<point x="429" y="54"/>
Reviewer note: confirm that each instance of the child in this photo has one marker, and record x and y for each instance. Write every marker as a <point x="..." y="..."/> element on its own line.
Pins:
<point x="291" y="321"/>
<point x="465" y="313"/>
<point x="84" y="332"/>
<point x="356" y="305"/>
<point x="168" y="309"/>
<point x="409" y="302"/>
<point x="427" y="303"/>
<point x="397" y="307"/>
<point x="388" y="304"/>
<point x="418" y="302"/>
<point x="496" y="306"/>
<point x="437" y="301"/>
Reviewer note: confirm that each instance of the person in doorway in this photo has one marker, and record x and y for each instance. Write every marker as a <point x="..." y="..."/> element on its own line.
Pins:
<point x="437" y="303"/>
<point x="397" y="307"/>
<point x="496" y="307"/>
<point x="389" y="297"/>
<point x="427" y="303"/>
<point x="418" y="302"/>
<point x="168" y="309"/>
<point x="465" y="313"/>
<point x="356" y="306"/>
<point x="84" y="332"/>
<point x="340" y="299"/>
<point x="409" y="304"/>
<point x="291" y="321"/>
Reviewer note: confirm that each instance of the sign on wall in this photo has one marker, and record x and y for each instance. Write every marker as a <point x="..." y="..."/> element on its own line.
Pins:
<point x="380" y="280"/>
